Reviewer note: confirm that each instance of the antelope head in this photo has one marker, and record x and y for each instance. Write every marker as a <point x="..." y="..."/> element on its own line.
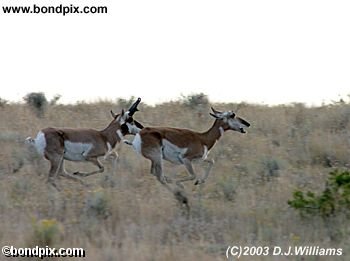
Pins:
<point x="126" y="120"/>
<point x="231" y="122"/>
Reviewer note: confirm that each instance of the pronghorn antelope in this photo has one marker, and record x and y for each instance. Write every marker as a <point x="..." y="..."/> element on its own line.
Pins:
<point x="183" y="146"/>
<point x="59" y="144"/>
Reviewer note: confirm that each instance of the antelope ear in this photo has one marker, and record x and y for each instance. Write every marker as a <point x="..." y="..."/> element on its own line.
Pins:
<point x="215" y="111"/>
<point x="232" y="114"/>
<point x="215" y="116"/>
<point x="113" y="114"/>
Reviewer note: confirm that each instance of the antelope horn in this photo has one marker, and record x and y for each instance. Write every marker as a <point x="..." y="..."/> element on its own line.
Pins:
<point x="215" y="111"/>
<point x="133" y="107"/>
<point x="214" y="115"/>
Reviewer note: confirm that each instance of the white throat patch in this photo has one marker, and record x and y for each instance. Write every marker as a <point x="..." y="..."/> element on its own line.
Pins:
<point x="132" y="128"/>
<point x="221" y="129"/>
<point x="120" y="135"/>
<point x="137" y="143"/>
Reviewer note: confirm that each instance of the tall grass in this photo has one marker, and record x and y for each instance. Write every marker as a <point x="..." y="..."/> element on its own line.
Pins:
<point x="128" y="215"/>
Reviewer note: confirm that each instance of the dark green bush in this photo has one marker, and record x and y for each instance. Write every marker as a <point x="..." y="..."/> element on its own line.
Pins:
<point x="37" y="101"/>
<point x="334" y="199"/>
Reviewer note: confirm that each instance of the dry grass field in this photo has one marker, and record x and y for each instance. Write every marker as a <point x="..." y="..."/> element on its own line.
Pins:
<point x="127" y="215"/>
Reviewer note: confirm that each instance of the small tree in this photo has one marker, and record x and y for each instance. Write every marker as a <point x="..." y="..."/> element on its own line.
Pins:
<point x="126" y="103"/>
<point x="195" y="100"/>
<point x="55" y="99"/>
<point x="37" y="101"/>
<point x="3" y="102"/>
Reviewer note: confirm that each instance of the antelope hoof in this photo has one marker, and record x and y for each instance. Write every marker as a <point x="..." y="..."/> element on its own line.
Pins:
<point x="79" y="174"/>
<point x="86" y="185"/>
<point x="168" y="180"/>
<point x="181" y="197"/>
<point x="164" y="180"/>
<point x="180" y="185"/>
<point x="53" y="184"/>
<point x="199" y="181"/>
<point x="127" y="142"/>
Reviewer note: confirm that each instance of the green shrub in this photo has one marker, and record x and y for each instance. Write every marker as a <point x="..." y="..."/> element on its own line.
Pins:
<point x="334" y="199"/>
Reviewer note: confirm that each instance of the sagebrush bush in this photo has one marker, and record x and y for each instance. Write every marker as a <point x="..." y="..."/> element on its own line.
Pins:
<point x="47" y="232"/>
<point x="227" y="187"/>
<point x="270" y="168"/>
<point x="243" y="201"/>
<point x="97" y="204"/>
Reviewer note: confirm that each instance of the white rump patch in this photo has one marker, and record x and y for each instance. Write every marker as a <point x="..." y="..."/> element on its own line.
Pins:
<point x="173" y="153"/>
<point x="40" y="142"/>
<point x="137" y="143"/>
<point x="76" y="151"/>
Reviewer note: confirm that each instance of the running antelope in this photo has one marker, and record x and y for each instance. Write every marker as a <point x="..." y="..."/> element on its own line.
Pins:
<point x="84" y="145"/>
<point x="183" y="146"/>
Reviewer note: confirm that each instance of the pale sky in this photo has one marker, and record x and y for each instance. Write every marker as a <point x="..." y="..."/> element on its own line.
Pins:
<point x="268" y="52"/>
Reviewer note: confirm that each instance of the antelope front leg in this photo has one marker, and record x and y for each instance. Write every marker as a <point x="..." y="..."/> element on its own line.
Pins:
<point x="178" y="193"/>
<point x="56" y="168"/>
<point x="113" y="155"/>
<point x="187" y="163"/>
<point x="206" y="174"/>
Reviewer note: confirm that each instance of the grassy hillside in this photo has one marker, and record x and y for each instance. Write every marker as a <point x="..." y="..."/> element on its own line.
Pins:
<point x="128" y="215"/>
